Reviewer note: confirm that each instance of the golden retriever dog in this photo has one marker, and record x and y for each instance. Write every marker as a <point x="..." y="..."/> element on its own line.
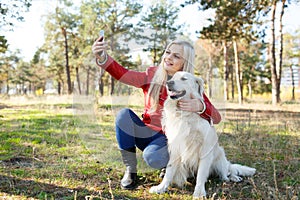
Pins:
<point x="192" y="141"/>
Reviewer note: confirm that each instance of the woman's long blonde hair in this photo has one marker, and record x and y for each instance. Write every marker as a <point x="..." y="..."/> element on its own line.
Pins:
<point x="160" y="77"/>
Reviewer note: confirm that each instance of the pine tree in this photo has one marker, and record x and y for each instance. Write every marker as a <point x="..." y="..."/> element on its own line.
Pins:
<point x="157" y="27"/>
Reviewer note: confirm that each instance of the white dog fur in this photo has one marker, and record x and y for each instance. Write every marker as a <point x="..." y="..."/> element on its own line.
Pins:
<point x="192" y="141"/>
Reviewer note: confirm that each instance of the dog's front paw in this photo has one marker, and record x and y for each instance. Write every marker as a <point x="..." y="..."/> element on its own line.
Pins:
<point x="235" y="178"/>
<point x="159" y="189"/>
<point x="199" y="195"/>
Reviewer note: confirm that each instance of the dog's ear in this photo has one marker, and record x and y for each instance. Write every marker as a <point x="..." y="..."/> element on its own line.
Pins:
<point x="200" y="84"/>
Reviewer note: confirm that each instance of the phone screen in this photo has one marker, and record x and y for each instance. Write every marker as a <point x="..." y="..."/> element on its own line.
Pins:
<point x="101" y="33"/>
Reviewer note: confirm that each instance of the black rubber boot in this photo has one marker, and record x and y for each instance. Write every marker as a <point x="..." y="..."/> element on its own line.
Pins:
<point x="129" y="180"/>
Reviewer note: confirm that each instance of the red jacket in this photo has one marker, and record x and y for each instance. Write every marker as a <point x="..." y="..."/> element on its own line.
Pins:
<point x="142" y="80"/>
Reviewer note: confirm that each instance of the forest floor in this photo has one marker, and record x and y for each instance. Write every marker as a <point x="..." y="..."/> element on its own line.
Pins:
<point x="64" y="148"/>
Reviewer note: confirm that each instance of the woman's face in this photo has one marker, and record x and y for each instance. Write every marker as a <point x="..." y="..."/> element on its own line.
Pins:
<point x="173" y="59"/>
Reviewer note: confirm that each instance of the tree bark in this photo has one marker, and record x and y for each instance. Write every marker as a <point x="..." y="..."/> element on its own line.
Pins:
<point x="250" y="89"/>
<point x="226" y="71"/>
<point x="272" y="56"/>
<point x="209" y="76"/>
<point x="276" y="68"/>
<point x="88" y="81"/>
<point x="7" y="85"/>
<point x="112" y="80"/>
<point x="278" y="82"/>
<point x="293" y="82"/>
<point x="238" y="72"/>
<point x="101" y="82"/>
<point x="112" y="85"/>
<point x="232" y="83"/>
<point x="78" y="80"/>
<point x="64" y="32"/>
<point x="59" y="87"/>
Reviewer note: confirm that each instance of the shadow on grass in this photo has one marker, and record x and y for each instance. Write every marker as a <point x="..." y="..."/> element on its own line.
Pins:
<point x="2" y="106"/>
<point x="30" y="188"/>
<point x="27" y="181"/>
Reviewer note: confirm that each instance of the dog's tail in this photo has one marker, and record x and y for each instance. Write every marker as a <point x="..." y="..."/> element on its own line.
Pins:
<point x="237" y="170"/>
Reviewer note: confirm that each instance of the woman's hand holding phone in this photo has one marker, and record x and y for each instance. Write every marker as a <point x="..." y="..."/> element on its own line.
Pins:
<point x="101" y="39"/>
<point x="99" y="48"/>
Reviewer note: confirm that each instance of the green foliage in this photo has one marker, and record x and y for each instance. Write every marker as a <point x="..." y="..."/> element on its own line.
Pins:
<point x="3" y="44"/>
<point x="238" y="23"/>
<point x="8" y="68"/>
<point x="233" y="19"/>
<point x="291" y="50"/>
<point x="61" y="26"/>
<point x="157" y="28"/>
<point x="10" y="12"/>
<point x="251" y="65"/>
<point x="115" y="18"/>
<point x="66" y="57"/>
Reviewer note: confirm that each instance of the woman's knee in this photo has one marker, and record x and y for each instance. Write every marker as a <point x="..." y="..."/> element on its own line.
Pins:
<point x="122" y="116"/>
<point x="123" y="122"/>
<point x="124" y="132"/>
<point x="156" y="159"/>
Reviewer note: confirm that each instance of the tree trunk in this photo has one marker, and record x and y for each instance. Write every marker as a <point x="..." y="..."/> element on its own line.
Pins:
<point x="237" y="72"/>
<point x="101" y="82"/>
<point x="154" y="54"/>
<point x="280" y="53"/>
<point x="226" y="71"/>
<point x="7" y="85"/>
<point x="62" y="86"/>
<point x="293" y="82"/>
<point x="232" y="83"/>
<point x="249" y="89"/>
<point x="67" y="61"/>
<point x="59" y="88"/>
<point x="112" y="80"/>
<point x="272" y="55"/>
<point x="101" y="87"/>
<point x="78" y="80"/>
<point x="250" y="83"/>
<point x="209" y="77"/>
<point x="112" y="85"/>
<point x="88" y="81"/>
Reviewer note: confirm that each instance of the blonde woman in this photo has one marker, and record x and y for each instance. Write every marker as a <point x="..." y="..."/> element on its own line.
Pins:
<point x="146" y="132"/>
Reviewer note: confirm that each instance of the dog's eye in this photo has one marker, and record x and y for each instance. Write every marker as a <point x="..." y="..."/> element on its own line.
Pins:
<point x="183" y="79"/>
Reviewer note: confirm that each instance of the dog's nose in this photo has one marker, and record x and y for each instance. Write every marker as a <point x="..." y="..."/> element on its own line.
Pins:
<point x="170" y="83"/>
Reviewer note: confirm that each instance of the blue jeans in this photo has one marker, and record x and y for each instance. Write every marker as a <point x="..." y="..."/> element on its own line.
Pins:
<point x="132" y="132"/>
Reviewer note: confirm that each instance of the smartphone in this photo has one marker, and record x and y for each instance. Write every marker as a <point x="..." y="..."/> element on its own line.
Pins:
<point x="101" y="34"/>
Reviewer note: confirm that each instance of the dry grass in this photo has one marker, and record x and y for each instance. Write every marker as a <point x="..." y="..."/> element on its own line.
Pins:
<point x="64" y="148"/>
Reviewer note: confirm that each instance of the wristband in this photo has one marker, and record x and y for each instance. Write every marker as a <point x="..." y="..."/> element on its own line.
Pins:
<point x="204" y="107"/>
<point x="102" y="62"/>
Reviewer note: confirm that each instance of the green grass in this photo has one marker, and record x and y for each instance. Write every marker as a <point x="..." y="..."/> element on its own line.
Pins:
<point x="48" y="152"/>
